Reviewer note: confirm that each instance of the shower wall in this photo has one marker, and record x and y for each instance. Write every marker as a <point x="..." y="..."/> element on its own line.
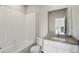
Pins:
<point x="15" y="27"/>
<point x="30" y="26"/>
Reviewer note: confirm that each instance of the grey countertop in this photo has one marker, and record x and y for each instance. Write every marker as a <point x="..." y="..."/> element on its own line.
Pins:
<point x="67" y="39"/>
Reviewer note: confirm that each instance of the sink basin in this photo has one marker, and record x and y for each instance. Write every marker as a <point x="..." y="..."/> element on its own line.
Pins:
<point x="60" y="39"/>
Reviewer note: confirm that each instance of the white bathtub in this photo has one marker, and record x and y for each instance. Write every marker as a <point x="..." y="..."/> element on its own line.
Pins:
<point x="17" y="47"/>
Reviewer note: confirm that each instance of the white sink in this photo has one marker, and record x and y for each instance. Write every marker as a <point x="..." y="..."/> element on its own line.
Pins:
<point x="60" y="39"/>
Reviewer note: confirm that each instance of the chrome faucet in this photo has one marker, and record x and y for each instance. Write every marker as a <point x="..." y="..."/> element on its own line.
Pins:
<point x="0" y="48"/>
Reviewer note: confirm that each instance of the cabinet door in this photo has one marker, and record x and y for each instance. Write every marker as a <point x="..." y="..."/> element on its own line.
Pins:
<point x="63" y="50"/>
<point x="50" y="49"/>
<point x="75" y="48"/>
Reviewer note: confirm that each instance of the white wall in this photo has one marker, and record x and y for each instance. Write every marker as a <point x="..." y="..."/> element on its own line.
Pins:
<point x="46" y="9"/>
<point x="37" y="10"/>
<point x="75" y="21"/>
<point x="18" y="8"/>
<point x="42" y="17"/>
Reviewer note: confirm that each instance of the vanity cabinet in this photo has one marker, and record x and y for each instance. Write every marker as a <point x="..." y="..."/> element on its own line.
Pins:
<point x="59" y="47"/>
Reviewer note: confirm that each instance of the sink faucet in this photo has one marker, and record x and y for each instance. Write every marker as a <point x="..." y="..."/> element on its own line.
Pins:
<point x="0" y="48"/>
<point x="58" y="35"/>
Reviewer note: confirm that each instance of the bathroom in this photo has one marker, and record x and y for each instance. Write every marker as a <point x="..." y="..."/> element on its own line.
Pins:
<point x="26" y="29"/>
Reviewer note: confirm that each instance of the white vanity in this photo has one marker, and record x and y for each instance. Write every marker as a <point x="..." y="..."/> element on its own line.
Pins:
<point x="62" y="45"/>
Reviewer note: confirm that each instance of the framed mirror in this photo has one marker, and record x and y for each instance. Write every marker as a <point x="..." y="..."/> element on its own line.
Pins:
<point x="57" y="22"/>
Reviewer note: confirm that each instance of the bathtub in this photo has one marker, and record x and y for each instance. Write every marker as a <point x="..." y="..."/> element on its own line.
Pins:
<point x="22" y="47"/>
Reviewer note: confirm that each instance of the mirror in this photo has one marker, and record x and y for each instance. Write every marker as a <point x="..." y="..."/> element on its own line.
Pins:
<point x="60" y="25"/>
<point x="57" y="22"/>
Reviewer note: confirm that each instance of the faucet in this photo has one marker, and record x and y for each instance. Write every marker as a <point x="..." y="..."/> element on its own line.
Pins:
<point x="0" y="48"/>
<point x="58" y="35"/>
